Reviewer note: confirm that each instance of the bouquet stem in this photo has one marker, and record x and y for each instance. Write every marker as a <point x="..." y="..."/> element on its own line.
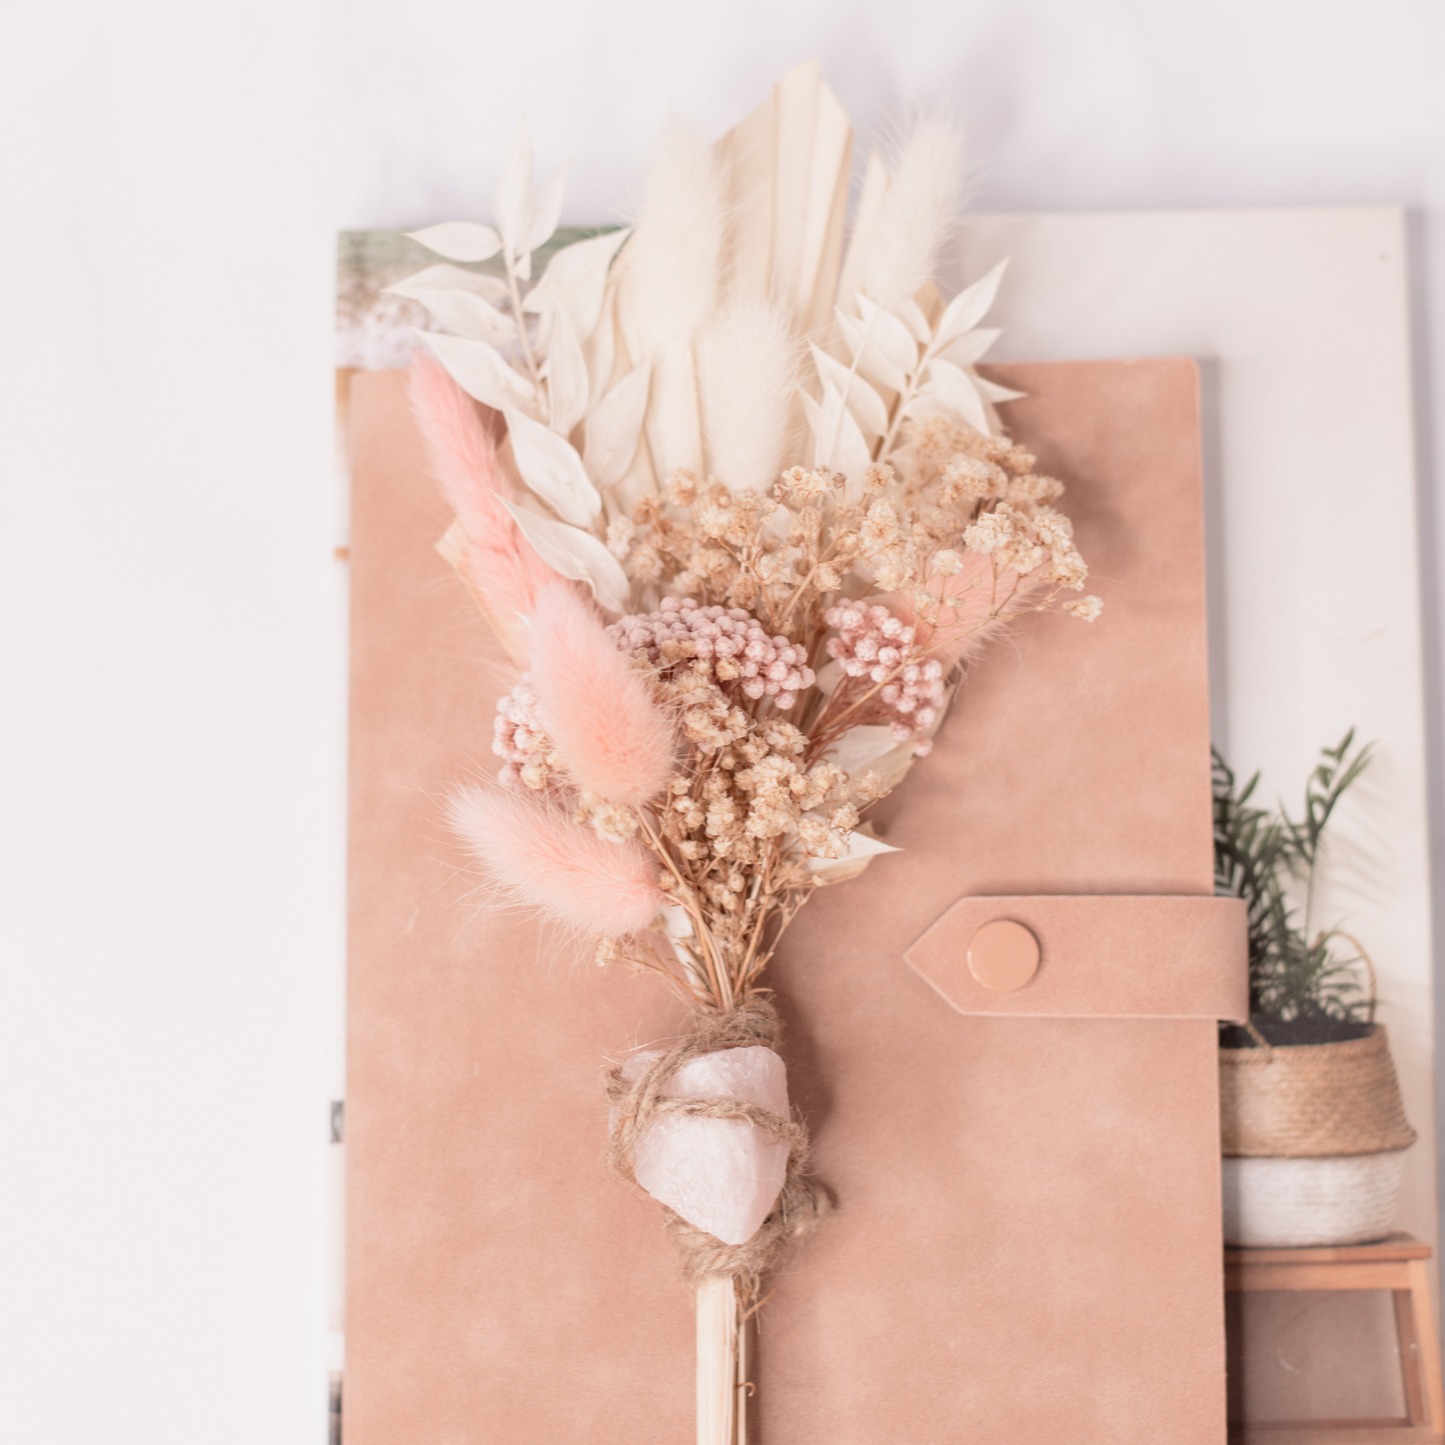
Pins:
<point x="721" y="1411"/>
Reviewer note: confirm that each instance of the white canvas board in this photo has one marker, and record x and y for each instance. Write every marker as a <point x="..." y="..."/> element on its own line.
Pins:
<point x="1299" y="321"/>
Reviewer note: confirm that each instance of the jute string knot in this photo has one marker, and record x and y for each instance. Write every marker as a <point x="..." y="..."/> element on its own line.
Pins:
<point x="800" y="1205"/>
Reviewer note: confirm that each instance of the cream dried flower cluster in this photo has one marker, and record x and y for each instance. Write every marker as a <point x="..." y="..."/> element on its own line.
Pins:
<point x="954" y="491"/>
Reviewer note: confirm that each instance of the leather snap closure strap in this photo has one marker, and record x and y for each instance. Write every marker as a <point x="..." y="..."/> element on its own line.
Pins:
<point x="1107" y="955"/>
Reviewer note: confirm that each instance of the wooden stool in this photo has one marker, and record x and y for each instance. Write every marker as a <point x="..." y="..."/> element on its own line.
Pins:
<point x="1396" y="1263"/>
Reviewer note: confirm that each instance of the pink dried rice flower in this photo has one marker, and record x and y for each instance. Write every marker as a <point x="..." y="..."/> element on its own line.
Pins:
<point x="726" y="645"/>
<point x="877" y="647"/>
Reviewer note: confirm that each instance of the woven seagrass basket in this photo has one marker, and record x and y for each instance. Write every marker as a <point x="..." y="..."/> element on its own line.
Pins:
<point x="1313" y="1138"/>
<point x="1307" y="1101"/>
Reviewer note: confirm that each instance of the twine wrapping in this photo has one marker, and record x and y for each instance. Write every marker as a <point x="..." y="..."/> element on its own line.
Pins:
<point x="800" y="1204"/>
<point x="1312" y="1100"/>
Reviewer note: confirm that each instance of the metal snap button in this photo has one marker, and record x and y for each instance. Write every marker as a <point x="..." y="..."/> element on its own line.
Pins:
<point x="1003" y="955"/>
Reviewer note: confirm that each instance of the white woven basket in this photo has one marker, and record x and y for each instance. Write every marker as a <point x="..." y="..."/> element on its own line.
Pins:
<point x="1279" y="1203"/>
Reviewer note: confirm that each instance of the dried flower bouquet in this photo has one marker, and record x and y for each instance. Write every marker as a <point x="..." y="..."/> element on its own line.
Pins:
<point x="744" y="511"/>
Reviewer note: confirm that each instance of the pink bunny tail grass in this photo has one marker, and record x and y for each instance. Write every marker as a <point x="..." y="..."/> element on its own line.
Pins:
<point x="595" y="706"/>
<point x="539" y="857"/>
<point x="501" y="564"/>
<point x="964" y="628"/>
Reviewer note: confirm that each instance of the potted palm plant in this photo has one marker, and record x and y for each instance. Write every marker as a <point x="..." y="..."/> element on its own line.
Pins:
<point x="1313" y="1128"/>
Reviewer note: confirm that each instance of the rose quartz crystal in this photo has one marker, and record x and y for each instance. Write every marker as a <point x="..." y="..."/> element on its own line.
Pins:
<point x="722" y="1175"/>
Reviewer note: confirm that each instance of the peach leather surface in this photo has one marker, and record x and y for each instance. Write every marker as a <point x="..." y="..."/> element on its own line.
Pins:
<point x="1026" y="1246"/>
<point x="1120" y="957"/>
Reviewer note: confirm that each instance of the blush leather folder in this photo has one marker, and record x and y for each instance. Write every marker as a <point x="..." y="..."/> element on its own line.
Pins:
<point x="1026" y="1245"/>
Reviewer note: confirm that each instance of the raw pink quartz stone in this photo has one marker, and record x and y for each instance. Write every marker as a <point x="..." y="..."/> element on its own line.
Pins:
<point x="721" y="1175"/>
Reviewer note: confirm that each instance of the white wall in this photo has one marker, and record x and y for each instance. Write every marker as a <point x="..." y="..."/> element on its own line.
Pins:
<point x="173" y="175"/>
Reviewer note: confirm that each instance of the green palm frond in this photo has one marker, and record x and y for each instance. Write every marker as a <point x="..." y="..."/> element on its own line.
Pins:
<point x="1257" y="852"/>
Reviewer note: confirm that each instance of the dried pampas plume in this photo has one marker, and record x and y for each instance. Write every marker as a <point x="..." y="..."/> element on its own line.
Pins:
<point x="959" y="627"/>
<point x="595" y="706"/>
<point x="904" y="220"/>
<point x="537" y="857"/>
<point x="500" y="564"/>
<point x="747" y="368"/>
